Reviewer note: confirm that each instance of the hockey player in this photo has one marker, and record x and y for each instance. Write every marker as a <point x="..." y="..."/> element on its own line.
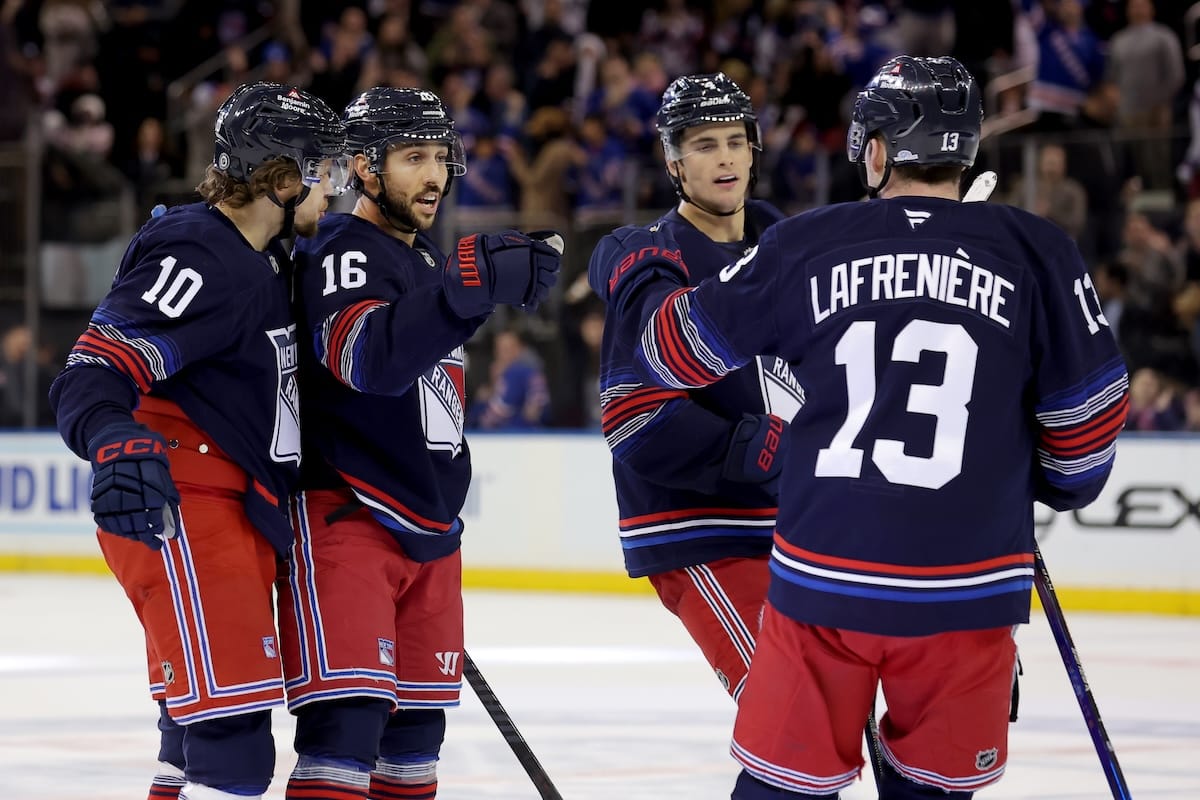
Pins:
<point x="182" y="393"/>
<point x="959" y="368"/>
<point x="374" y="616"/>
<point x="696" y="471"/>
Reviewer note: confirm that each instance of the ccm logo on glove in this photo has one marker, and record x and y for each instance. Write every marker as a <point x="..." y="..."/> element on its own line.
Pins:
<point x="129" y="447"/>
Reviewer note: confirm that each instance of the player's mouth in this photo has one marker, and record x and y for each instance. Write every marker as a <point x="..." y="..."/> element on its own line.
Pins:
<point x="726" y="180"/>
<point x="427" y="201"/>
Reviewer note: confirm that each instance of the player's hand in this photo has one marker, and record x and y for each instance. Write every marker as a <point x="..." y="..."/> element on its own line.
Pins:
<point x="509" y="267"/>
<point x="755" y="453"/>
<point x="133" y="494"/>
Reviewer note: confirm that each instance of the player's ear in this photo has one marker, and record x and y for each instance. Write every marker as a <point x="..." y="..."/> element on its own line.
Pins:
<point x="362" y="168"/>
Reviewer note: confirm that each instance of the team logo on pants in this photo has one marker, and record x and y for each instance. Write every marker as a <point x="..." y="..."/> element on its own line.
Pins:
<point x="986" y="759"/>
<point x="448" y="661"/>
<point x="387" y="652"/>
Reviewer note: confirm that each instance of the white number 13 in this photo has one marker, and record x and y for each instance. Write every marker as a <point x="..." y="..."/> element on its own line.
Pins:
<point x="946" y="402"/>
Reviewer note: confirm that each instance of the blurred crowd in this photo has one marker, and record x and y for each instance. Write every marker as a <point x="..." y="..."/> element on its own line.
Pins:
<point x="556" y="102"/>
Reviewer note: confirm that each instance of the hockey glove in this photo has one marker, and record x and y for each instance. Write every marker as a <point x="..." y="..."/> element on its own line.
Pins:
<point x="755" y="453"/>
<point x="132" y="491"/>
<point x="509" y="267"/>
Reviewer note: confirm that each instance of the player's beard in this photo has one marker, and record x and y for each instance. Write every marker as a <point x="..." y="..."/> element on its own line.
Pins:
<point x="400" y="208"/>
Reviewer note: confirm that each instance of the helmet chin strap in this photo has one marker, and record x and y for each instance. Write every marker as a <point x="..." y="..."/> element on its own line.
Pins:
<point x="380" y="201"/>
<point x="289" y="209"/>
<point x="873" y="191"/>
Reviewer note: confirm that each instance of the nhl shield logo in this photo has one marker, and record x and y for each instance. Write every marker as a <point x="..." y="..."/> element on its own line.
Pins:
<point x="168" y="672"/>
<point x="986" y="759"/>
<point x="387" y="652"/>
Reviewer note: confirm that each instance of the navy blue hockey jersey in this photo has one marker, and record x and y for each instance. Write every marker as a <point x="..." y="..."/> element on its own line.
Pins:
<point x="958" y="367"/>
<point x="199" y="317"/>
<point x="382" y="377"/>
<point x="669" y="445"/>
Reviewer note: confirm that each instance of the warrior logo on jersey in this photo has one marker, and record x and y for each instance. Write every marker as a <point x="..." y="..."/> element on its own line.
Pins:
<point x="285" y="442"/>
<point x="782" y="394"/>
<point x="443" y="399"/>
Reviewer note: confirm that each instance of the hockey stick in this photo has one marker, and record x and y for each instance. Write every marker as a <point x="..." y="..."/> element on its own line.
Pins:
<point x="1083" y="692"/>
<point x="508" y="730"/>
<point x="872" y="734"/>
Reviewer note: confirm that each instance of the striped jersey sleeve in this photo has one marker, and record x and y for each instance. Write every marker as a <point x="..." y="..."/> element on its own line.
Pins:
<point x="1078" y="427"/>
<point x="1081" y="386"/>
<point x="120" y="345"/>
<point x="697" y="336"/>
<point x="340" y="342"/>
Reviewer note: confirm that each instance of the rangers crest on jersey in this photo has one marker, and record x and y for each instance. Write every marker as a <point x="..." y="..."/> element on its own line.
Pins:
<point x="285" y="442"/>
<point x="443" y="400"/>
<point x="782" y="394"/>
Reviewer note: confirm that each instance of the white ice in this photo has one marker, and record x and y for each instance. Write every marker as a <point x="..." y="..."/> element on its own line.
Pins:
<point x="608" y="691"/>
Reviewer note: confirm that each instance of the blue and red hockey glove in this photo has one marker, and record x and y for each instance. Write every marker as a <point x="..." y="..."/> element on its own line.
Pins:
<point x="509" y="267"/>
<point x="133" y="494"/>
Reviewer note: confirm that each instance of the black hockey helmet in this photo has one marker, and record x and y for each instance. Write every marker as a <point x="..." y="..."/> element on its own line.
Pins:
<point x="384" y="116"/>
<point x="263" y="121"/>
<point x="694" y="100"/>
<point x="929" y="112"/>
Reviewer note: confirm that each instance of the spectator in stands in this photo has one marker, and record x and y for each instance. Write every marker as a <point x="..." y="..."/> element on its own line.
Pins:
<point x="150" y="168"/>
<point x="1146" y="62"/>
<point x="545" y="195"/>
<point x="626" y="108"/>
<point x="489" y="183"/>
<point x="552" y="82"/>
<point x="794" y="178"/>
<point x="394" y="49"/>
<point x="1055" y="196"/>
<point x="16" y="349"/>
<point x="1154" y="403"/>
<point x="515" y="398"/>
<point x="675" y="32"/>
<point x="499" y="100"/>
<point x="1104" y="168"/>
<point x="337" y="62"/>
<point x="1070" y="62"/>
<point x="599" y="173"/>
<point x="1111" y="279"/>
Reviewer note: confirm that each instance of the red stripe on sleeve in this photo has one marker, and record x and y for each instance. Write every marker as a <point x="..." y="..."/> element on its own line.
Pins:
<point x="120" y="355"/>
<point x="673" y="348"/>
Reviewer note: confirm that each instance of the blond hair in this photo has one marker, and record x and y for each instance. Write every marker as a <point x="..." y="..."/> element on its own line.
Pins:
<point x="276" y="174"/>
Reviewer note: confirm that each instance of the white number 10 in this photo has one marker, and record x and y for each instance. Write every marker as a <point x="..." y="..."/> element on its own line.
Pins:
<point x="947" y="402"/>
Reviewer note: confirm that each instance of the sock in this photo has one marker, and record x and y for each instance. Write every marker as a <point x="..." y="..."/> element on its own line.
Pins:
<point x="327" y="779"/>
<point x="387" y="788"/>
<point x="167" y="782"/>
<point x="396" y="780"/>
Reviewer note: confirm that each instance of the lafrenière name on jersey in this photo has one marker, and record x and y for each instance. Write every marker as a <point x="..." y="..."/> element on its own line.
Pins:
<point x="950" y="279"/>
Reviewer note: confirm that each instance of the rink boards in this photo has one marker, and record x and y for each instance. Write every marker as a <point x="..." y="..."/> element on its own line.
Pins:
<point x="541" y="515"/>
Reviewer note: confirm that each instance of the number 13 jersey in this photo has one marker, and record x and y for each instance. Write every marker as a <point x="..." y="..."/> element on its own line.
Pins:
<point x="958" y="367"/>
